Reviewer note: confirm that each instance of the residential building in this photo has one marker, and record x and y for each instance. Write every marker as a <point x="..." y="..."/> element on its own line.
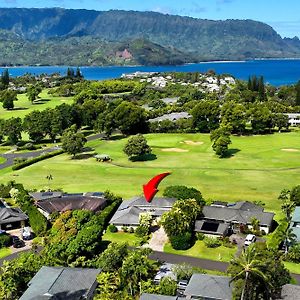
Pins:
<point x="221" y="218"/>
<point x="294" y="119"/>
<point x="171" y="117"/>
<point x="295" y="223"/>
<point x="129" y="211"/>
<point x="208" y="287"/>
<point x="290" y="292"/>
<point x="50" y="202"/>
<point x="12" y="218"/>
<point x="200" y="286"/>
<point x="61" y="283"/>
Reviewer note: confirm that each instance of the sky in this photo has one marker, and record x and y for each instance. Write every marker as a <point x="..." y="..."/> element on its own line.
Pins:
<point x="282" y="15"/>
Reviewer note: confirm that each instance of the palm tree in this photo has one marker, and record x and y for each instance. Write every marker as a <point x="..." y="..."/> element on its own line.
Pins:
<point x="249" y="266"/>
<point x="289" y="237"/>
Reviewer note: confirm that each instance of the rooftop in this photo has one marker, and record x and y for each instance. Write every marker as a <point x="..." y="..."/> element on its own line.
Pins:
<point x="209" y="287"/>
<point x="61" y="283"/>
<point x="72" y="202"/>
<point x="171" y="117"/>
<point x="10" y="215"/>
<point x="296" y="214"/>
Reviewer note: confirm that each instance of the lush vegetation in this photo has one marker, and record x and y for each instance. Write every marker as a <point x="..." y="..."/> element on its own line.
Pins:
<point x="205" y="39"/>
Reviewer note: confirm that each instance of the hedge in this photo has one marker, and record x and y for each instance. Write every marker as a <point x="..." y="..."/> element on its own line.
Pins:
<point x="5" y="240"/>
<point x="36" y="159"/>
<point x="182" y="241"/>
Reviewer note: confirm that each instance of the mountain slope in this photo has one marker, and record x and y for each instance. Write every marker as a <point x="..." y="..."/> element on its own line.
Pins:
<point x="196" y="38"/>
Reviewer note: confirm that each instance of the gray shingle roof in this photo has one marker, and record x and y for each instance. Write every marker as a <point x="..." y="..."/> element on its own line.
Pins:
<point x="61" y="283"/>
<point x="10" y="215"/>
<point x="129" y="215"/>
<point x="209" y="286"/>
<point x="290" y="292"/>
<point x="171" y="117"/>
<point x="230" y="214"/>
<point x="129" y="211"/>
<point x="146" y="296"/>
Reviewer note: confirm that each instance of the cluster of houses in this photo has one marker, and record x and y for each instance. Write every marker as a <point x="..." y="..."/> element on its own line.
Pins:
<point x="206" y="83"/>
<point x="77" y="284"/>
<point x="217" y="219"/>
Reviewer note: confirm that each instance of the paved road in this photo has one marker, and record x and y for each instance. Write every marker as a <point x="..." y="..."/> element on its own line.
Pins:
<point x="170" y="258"/>
<point x="11" y="156"/>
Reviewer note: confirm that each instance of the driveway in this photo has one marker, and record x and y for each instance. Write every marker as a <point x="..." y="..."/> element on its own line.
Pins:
<point x="158" y="240"/>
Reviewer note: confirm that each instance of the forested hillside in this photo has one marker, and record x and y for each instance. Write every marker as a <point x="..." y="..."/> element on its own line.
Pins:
<point x="59" y="36"/>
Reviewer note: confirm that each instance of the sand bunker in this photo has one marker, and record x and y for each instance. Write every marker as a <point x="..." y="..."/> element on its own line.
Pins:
<point x="174" y="150"/>
<point x="290" y="150"/>
<point x="192" y="143"/>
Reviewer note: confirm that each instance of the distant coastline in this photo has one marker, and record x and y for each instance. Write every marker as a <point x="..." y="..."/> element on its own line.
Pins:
<point x="275" y="71"/>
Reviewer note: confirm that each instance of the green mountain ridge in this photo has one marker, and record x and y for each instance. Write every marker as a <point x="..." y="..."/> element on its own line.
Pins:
<point x="60" y="36"/>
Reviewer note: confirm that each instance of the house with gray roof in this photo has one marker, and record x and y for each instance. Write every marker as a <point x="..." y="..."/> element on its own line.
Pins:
<point x="61" y="283"/>
<point x="12" y="218"/>
<point x="129" y="211"/>
<point x="290" y="292"/>
<point x="219" y="219"/>
<point x="171" y="117"/>
<point x="208" y="287"/>
<point x="295" y="223"/>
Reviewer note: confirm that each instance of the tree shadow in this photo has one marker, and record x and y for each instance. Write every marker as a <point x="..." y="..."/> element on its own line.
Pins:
<point x="20" y="108"/>
<point x="145" y="157"/>
<point x="117" y="137"/>
<point x="83" y="156"/>
<point x="231" y="152"/>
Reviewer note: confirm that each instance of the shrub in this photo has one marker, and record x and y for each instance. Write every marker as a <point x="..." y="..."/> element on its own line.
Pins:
<point x="124" y="228"/>
<point x="141" y="231"/>
<point x="112" y="228"/>
<point x="19" y="160"/>
<point x="131" y="230"/>
<point x="211" y="242"/>
<point x="294" y="254"/>
<point x="200" y="236"/>
<point x="5" y="240"/>
<point x="37" y="221"/>
<point x="182" y="241"/>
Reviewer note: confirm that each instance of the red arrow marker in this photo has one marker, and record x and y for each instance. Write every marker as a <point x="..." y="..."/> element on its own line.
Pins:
<point x="150" y="189"/>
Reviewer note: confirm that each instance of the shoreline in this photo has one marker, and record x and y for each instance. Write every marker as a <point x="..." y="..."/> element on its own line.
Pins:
<point x="149" y="66"/>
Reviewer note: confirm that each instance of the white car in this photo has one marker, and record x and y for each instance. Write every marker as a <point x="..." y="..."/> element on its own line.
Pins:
<point x="250" y="238"/>
<point x="26" y="233"/>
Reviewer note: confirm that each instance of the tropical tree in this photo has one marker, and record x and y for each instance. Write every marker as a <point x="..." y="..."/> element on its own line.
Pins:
<point x="249" y="267"/>
<point x="289" y="238"/>
<point x="13" y="129"/>
<point x="72" y="141"/>
<point x="287" y="205"/>
<point x="137" y="146"/>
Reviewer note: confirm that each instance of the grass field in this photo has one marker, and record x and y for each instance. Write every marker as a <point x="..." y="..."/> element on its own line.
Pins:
<point x="259" y="168"/>
<point x="4" y="252"/>
<point x="121" y="237"/>
<point x="201" y="251"/>
<point x="23" y="106"/>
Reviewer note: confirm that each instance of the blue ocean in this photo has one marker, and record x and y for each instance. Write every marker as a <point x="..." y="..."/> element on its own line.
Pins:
<point x="275" y="72"/>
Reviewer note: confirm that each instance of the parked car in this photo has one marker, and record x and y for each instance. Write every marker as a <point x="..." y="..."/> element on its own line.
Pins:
<point x="2" y="231"/>
<point x="18" y="244"/>
<point x="26" y="233"/>
<point x="14" y="238"/>
<point x="182" y="284"/>
<point x="250" y="238"/>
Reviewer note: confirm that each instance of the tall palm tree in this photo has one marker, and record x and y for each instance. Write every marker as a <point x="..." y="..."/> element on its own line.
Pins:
<point x="248" y="266"/>
<point x="289" y="237"/>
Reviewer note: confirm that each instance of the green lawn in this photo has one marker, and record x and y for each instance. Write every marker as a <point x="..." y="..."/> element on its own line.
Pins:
<point x="258" y="170"/>
<point x="23" y="106"/>
<point x="4" y="252"/>
<point x="292" y="267"/>
<point x="121" y="237"/>
<point x="2" y="160"/>
<point x="199" y="250"/>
